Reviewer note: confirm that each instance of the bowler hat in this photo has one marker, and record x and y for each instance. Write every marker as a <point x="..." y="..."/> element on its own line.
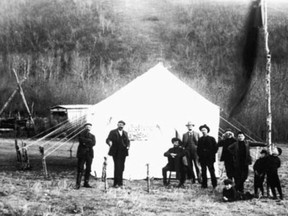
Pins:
<point x="189" y="123"/>
<point x="204" y="126"/>
<point x="122" y="122"/>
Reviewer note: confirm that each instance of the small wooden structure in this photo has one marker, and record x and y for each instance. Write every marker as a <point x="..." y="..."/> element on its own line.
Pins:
<point x="69" y="112"/>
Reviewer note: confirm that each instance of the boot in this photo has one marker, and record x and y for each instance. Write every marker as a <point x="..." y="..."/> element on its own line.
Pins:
<point x="78" y="180"/>
<point x="86" y="182"/>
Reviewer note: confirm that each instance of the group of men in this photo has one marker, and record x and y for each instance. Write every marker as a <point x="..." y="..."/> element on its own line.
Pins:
<point x="199" y="153"/>
<point x="119" y="144"/>
<point x="193" y="152"/>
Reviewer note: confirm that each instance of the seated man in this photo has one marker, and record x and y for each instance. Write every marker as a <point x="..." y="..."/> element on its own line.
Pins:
<point x="175" y="162"/>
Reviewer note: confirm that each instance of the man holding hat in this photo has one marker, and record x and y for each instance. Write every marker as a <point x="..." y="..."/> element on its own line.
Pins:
<point x="190" y="142"/>
<point x="207" y="149"/>
<point x="85" y="155"/>
<point x="119" y="144"/>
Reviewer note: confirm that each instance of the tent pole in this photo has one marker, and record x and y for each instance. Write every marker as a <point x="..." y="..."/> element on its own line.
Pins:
<point x="268" y="79"/>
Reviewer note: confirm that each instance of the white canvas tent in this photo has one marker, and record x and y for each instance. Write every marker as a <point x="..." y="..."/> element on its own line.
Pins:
<point x="153" y="106"/>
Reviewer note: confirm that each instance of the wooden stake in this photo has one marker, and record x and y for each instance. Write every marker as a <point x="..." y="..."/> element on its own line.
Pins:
<point x="104" y="174"/>
<point x="148" y="178"/>
<point x="18" y="152"/>
<point x="44" y="167"/>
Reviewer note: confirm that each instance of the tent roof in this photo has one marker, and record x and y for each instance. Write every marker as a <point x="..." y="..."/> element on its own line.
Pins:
<point x="156" y="94"/>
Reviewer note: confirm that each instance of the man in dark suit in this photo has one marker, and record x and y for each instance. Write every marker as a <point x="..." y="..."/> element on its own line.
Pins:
<point x="175" y="162"/>
<point x="190" y="142"/>
<point x="207" y="149"/>
<point x="119" y="144"/>
<point x="240" y="151"/>
<point x="85" y="155"/>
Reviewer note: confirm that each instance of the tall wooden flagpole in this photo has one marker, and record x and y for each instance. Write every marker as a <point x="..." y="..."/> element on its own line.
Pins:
<point x="268" y="78"/>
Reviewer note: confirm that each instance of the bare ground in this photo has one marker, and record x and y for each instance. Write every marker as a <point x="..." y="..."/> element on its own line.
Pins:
<point x="29" y="193"/>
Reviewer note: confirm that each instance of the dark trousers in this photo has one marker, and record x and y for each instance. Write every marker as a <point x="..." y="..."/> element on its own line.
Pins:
<point x="258" y="183"/>
<point x="274" y="182"/>
<point x="80" y="169"/>
<point x="229" y="168"/>
<point x="210" y="166"/>
<point x="181" y="174"/>
<point x="193" y="160"/>
<point x="119" y="166"/>
<point x="240" y="175"/>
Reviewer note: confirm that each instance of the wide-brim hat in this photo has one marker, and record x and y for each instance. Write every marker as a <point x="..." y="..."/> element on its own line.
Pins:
<point x="204" y="126"/>
<point x="122" y="122"/>
<point x="190" y="123"/>
<point x="175" y="139"/>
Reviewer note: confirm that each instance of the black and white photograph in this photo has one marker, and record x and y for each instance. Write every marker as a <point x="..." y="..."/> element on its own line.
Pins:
<point x="143" y="107"/>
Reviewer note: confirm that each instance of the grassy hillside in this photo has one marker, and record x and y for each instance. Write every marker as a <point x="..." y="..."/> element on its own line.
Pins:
<point x="83" y="51"/>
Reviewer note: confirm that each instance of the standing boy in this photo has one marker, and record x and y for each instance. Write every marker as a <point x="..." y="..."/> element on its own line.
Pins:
<point x="259" y="173"/>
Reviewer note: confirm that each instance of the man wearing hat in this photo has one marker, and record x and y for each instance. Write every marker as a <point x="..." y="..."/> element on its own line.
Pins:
<point x="207" y="149"/>
<point x="85" y="155"/>
<point x="190" y="142"/>
<point x="119" y="144"/>
<point x="175" y="162"/>
<point x="226" y="140"/>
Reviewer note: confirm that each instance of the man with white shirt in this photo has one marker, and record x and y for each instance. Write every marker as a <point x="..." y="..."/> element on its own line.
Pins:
<point x="119" y="144"/>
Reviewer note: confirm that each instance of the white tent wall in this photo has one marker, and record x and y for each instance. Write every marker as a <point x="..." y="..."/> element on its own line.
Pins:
<point x="155" y="104"/>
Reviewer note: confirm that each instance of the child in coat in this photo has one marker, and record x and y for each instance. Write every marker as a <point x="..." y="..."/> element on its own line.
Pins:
<point x="272" y="164"/>
<point x="259" y="173"/>
<point x="230" y="194"/>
